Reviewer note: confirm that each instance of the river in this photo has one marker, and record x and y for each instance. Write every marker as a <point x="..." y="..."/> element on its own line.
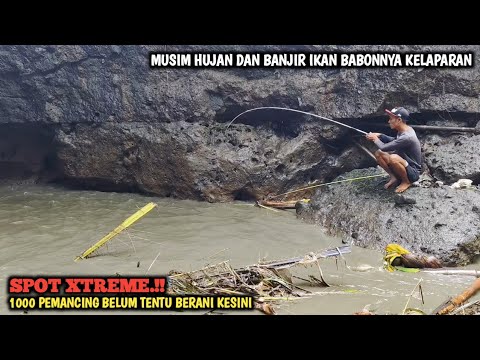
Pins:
<point x="44" y="227"/>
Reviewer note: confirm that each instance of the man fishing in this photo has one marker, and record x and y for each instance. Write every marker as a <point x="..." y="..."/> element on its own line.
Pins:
<point x="399" y="156"/>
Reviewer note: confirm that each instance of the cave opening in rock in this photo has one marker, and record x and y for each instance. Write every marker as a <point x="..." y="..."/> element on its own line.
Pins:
<point x="27" y="152"/>
<point x="244" y="195"/>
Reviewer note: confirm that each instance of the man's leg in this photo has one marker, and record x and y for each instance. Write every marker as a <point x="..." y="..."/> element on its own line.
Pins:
<point x="383" y="159"/>
<point x="398" y="165"/>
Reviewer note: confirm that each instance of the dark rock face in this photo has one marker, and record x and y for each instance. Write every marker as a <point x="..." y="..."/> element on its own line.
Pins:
<point x="25" y="151"/>
<point x="100" y="117"/>
<point x="442" y="222"/>
<point x="118" y="124"/>
<point x="456" y="159"/>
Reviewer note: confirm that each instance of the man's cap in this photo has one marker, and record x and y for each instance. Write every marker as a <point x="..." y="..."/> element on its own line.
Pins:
<point x="400" y="112"/>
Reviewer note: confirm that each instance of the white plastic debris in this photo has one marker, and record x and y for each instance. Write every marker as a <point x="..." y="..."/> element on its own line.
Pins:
<point x="462" y="184"/>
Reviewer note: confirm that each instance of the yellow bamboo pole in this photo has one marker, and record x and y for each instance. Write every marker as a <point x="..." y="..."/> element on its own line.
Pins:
<point x="125" y="224"/>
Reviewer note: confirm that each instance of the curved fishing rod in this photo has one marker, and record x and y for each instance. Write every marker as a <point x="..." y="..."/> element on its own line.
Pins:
<point x="298" y="111"/>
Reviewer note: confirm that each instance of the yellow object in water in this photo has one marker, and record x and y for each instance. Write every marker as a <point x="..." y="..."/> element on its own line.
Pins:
<point x="129" y="221"/>
<point x="393" y="251"/>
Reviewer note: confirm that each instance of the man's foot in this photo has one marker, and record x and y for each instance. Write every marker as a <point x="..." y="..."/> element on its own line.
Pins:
<point x="391" y="182"/>
<point x="402" y="187"/>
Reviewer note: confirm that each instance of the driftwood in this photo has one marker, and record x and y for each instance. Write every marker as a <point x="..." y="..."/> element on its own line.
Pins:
<point x="289" y="204"/>
<point x="451" y="304"/>
<point x="398" y="258"/>
<point x="419" y="261"/>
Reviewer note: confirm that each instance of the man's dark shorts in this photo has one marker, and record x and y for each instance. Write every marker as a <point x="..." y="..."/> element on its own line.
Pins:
<point x="412" y="174"/>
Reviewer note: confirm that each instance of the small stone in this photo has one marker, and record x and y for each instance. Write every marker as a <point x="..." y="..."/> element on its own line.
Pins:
<point x="402" y="199"/>
<point x="127" y="162"/>
<point x="116" y="49"/>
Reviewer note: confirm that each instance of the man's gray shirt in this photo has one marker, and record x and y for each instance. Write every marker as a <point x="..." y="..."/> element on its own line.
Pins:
<point x="406" y="145"/>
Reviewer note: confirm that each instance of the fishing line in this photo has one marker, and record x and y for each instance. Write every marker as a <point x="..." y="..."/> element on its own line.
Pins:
<point x="330" y="183"/>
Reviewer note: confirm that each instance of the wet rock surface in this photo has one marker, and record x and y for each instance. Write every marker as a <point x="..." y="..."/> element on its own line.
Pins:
<point x="456" y="159"/>
<point x="442" y="222"/>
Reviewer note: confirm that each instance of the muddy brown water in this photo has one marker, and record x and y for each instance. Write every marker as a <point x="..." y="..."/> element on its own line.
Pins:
<point x="43" y="228"/>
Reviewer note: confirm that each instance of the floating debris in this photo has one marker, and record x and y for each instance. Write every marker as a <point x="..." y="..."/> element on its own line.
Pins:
<point x="289" y="204"/>
<point x="268" y="281"/>
<point x="399" y="258"/>
<point x="307" y="259"/>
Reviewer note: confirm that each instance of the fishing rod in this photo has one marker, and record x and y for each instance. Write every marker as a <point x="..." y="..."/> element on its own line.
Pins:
<point x="297" y="111"/>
